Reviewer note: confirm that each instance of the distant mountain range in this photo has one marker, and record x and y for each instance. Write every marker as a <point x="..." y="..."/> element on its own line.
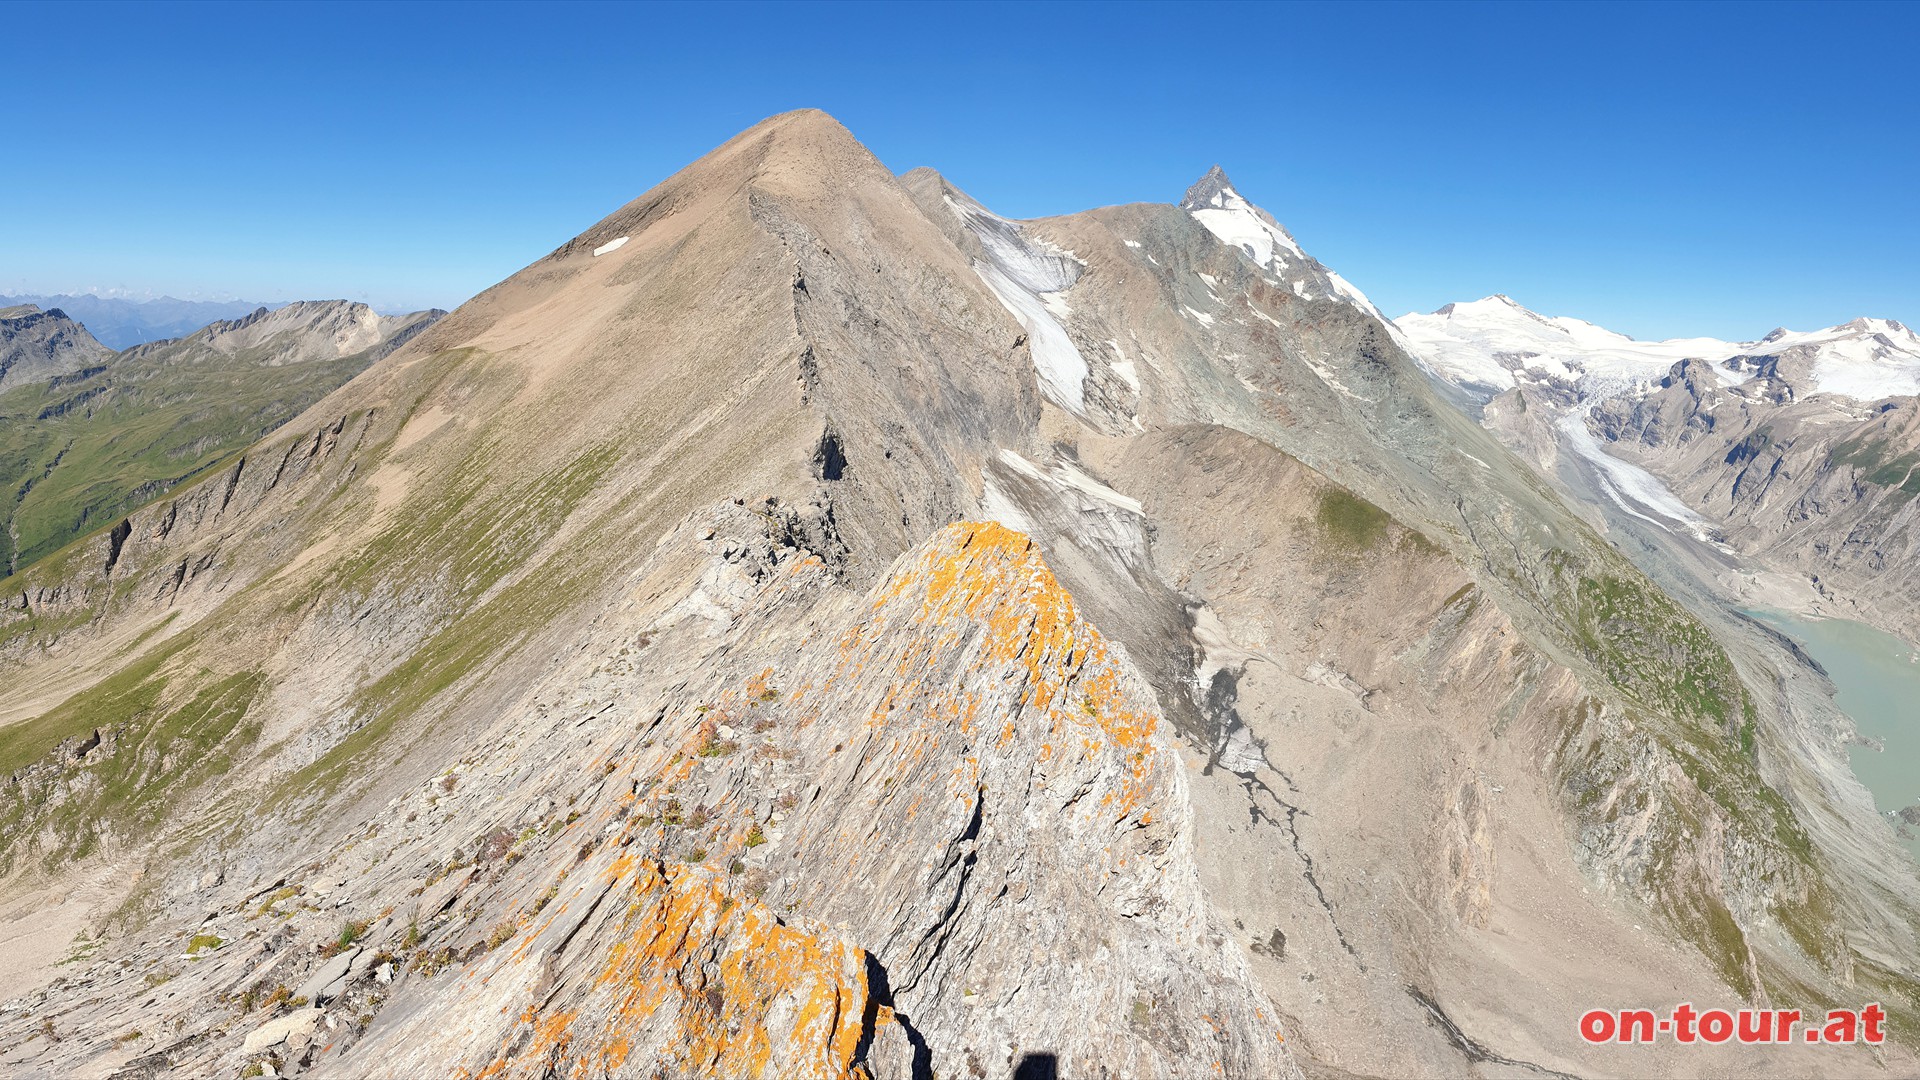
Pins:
<point x="1799" y="453"/>
<point x="120" y="323"/>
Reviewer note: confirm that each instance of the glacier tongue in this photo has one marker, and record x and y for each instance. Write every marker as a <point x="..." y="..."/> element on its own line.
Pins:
<point x="1627" y="484"/>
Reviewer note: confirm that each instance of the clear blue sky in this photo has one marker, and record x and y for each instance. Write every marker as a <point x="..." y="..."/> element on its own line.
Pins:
<point x="1662" y="170"/>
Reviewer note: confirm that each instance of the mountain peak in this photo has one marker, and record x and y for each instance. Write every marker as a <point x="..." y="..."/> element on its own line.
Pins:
<point x="809" y="124"/>
<point x="802" y="133"/>
<point x="37" y="344"/>
<point x="1211" y="190"/>
<point x="1497" y="304"/>
<point x="1867" y="325"/>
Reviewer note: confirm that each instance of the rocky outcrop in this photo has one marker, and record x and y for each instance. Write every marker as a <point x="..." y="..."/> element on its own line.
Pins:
<point x="968" y="787"/>
<point x="683" y="973"/>
<point x="42" y="346"/>
<point x="1670" y="415"/>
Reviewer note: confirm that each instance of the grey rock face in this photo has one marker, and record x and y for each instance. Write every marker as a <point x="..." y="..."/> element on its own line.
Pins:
<point x="37" y="346"/>
<point x="329" y="978"/>
<point x="1210" y="190"/>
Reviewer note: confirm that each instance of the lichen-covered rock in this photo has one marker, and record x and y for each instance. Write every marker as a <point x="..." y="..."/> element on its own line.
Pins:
<point x="679" y="975"/>
<point x="985" y="855"/>
<point x="1003" y="808"/>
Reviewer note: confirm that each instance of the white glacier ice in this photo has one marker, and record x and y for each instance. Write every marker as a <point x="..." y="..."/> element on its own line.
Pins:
<point x="1029" y="278"/>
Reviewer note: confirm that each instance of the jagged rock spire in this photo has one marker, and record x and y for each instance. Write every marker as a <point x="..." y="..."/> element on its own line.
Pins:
<point x="1210" y="190"/>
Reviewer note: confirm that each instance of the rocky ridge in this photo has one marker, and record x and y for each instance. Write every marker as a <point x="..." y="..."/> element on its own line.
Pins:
<point x="731" y="577"/>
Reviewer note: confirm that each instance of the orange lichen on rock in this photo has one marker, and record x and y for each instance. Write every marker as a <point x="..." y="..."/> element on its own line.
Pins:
<point x="988" y="582"/>
<point x="704" y="982"/>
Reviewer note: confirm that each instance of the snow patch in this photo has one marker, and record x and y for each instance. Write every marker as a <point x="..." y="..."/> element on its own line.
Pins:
<point x="1029" y="279"/>
<point x="1063" y="503"/>
<point x="1238" y="223"/>
<point x="1124" y="368"/>
<point x="611" y="245"/>
<point x="1327" y="376"/>
<point x="1237" y="751"/>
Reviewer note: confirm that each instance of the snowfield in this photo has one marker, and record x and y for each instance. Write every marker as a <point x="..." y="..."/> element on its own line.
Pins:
<point x="1029" y="278"/>
<point x="1489" y="344"/>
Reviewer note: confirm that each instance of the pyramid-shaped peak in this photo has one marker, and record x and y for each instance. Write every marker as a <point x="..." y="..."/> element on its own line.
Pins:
<point x="803" y="122"/>
<point x="800" y="133"/>
<point x="804" y="154"/>
<point x="1211" y="190"/>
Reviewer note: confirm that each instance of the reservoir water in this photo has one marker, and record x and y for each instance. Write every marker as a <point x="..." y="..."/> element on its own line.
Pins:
<point x="1877" y="682"/>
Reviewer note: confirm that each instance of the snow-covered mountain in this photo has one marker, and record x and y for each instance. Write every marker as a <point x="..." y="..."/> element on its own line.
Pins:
<point x="1493" y="344"/>
<point x="1238" y="223"/>
<point x="1798" y="452"/>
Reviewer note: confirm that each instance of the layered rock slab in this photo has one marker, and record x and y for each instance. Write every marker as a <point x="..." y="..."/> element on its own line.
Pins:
<point x="985" y="857"/>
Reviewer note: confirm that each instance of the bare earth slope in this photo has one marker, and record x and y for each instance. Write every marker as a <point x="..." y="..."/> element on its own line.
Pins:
<point x="809" y="624"/>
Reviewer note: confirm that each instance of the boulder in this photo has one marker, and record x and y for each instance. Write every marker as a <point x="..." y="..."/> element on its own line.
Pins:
<point x="321" y="984"/>
<point x="441" y="894"/>
<point x="276" y="1031"/>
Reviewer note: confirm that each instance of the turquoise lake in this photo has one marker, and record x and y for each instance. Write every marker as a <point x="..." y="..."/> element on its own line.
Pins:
<point x="1877" y="678"/>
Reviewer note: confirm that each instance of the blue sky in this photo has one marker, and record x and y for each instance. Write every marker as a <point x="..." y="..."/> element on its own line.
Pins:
<point x="1661" y="170"/>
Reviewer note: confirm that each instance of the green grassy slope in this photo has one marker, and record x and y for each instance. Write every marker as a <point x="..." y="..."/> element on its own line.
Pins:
<point x="79" y="452"/>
